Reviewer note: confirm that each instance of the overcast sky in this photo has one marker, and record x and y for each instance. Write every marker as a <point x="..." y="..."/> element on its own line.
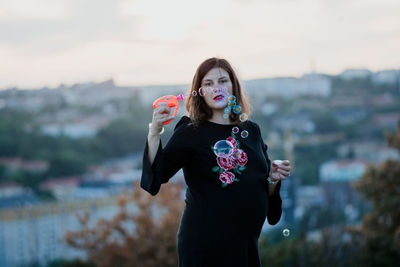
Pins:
<point x="137" y="42"/>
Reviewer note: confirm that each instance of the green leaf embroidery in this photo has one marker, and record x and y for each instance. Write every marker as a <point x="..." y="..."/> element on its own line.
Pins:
<point x="215" y="168"/>
<point x="224" y="185"/>
<point x="236" y="179"/>
<point x="242" y="168"/>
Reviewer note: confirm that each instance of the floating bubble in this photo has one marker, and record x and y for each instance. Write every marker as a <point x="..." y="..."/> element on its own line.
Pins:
<point x="236" y="109"/>
<point x="201" y="91"/>
<point x="209" y="89"/>
<point x="227" y="110"/>
<point x="225" y="116"/>
<point x="236" y="153"/>
<point x="224" y="89"/>
<point x="231" y="98"/>
<point x="231" y="104"/>
<point x="194" y="93"/>
<point x="286" y="232"/>
<point x="235" y="130"/>
<point x="244" y="134"/>
<point x="223" y="146"/>
<point x="243" y="117"/>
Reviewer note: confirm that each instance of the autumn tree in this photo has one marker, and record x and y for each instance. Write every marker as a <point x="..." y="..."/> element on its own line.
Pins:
<point x="146" y="238"/>
<point x="380" y="231"/>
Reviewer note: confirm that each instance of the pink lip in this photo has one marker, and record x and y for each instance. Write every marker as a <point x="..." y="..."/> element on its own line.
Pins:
<point x="219" y="98"/>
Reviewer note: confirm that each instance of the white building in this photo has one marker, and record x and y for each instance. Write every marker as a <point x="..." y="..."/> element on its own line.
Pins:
<point x="370" y="151"/>
<point x="386" y="77"/>
<point x="312" y="84"/>
<point x="78" y="128"/>
<point x="36" y="234"/>
<point x="94" y="94"/>
<point x="342" y="170"/>
<point x="351" y="74"/>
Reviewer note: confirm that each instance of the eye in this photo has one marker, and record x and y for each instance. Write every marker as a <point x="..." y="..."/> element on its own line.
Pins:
<point x="207" y="84"/>
<point x="224" y="81"/>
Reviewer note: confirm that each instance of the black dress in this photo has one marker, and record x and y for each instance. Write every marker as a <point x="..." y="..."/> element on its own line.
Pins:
<point x="227" y="198"/>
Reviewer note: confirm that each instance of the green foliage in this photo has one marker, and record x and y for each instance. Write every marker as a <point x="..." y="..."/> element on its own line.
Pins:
<point x="20" y="136"/>
<point x="28" y="179"/>
<point x="360" y="86"/>
<point x="120" y="137"/>
<point x="71" y="263"/>
<point x="325" y="122"/>
<point x="290" y="252"/>
<point x="320" y="217"/>
<point x="381" y="226"/>
<point x="310" y="158"/>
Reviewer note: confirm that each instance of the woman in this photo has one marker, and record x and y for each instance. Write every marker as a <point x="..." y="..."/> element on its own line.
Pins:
<point x="231" y="188"/>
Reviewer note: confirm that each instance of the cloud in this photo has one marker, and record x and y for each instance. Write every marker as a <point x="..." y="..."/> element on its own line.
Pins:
<point x="27" y="10"/>
<point x="84" y="20"/>
<point x="148" y="41"/>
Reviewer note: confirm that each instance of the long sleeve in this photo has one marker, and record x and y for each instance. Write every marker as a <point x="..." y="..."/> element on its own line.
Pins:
<point x="168" y="160"/>
<point x="274" y="201"/>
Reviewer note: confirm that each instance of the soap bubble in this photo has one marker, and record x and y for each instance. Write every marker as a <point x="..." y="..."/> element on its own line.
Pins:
<point x="243" y="117"/>
<point x="244" y="134"/>
<point x="236" y="109"/>
<point x="236" y="153"/>
<point x="235" y="130"/>
<point x="227" y="110"/>
<point x="286" y="232"/>
<point x="231" y="98"/>
<point x="209" y="89"/>
<point x="223" y="146"/>
<point x="201" y="91"/>
<point x="232" y="104"/>
<point x="225" y="116"/>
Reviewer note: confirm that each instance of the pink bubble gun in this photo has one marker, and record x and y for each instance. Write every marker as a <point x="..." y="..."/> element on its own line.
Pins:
<point x="172" y="102"/>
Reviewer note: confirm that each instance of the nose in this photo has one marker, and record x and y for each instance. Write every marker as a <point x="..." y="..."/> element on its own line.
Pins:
<point x="220" y="89"/>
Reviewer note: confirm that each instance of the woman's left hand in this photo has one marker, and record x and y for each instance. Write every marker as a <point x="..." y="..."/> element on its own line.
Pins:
<point x="280" y="169"/>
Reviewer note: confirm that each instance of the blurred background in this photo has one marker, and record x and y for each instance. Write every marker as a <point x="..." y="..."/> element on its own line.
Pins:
<point x="77" y="82"/>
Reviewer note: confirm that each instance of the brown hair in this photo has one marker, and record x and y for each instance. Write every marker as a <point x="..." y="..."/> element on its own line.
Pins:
<point x="196" y="106"/>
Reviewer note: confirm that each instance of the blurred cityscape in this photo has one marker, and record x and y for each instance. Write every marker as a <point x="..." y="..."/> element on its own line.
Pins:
<point x="76" y="148"/>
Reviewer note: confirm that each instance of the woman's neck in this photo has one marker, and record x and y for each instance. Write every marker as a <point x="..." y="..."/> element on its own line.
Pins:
<point x="218" y="117"/>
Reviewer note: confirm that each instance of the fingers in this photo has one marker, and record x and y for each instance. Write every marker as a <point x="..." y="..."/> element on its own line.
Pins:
<point x="162" y="108"/>
<point x="283" y="165"/>
<point x="286" y="173"/>
<point x="278" y="176"/>
<point x="280" y="169"/>
<point x="276" y="162"/>
<point x="284" y="168"/>
<point x="161" y="114"/>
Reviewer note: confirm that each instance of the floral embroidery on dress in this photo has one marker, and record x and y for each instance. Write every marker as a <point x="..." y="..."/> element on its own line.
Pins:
<point x="230" y="159"/>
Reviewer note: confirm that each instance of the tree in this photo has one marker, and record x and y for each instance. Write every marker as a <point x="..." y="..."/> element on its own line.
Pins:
<point x="380" y="231"/>
<point x="140" y="239"/>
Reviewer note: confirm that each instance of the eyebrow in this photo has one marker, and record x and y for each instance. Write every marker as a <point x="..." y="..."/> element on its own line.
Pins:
<point x="223" y="77"/>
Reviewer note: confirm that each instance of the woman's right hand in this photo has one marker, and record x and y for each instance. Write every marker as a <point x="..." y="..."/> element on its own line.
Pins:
<point x="161" y="114"/>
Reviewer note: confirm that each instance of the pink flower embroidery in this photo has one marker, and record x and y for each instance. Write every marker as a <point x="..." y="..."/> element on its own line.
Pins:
<point x="226" y="177"/>
<point x="229" y="157"/>
<point x="242" y="159"/>
<point x="232" y="141"/>
<point x="225" y="161"/>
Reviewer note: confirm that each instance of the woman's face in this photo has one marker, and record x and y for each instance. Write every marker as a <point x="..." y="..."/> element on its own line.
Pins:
<point x="216" y="86"/>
